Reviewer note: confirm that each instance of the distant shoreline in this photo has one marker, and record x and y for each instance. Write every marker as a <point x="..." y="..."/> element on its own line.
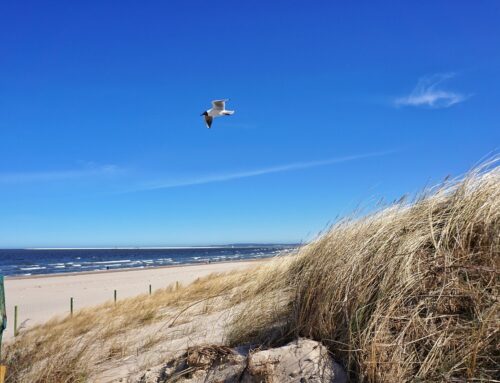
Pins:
<point x="125" y="269"/>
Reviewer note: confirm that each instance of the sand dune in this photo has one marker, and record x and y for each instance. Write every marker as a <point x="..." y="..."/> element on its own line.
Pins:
<point x="40" y="298"/>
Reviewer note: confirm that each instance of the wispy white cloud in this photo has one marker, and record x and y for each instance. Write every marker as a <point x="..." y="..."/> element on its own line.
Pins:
<point x="87" y="170"/>
<point x="206" y="179"/>
<point x="429" y="92"/>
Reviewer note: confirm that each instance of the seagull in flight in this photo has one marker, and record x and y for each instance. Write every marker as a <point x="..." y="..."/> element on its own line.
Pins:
<point x="218" y="109"/>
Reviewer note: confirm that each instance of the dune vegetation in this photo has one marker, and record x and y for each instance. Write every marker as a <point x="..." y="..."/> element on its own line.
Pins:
<point x="407" y="293"/>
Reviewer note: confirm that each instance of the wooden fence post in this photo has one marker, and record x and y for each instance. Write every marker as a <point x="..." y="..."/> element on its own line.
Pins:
<point x="15" y="320"/>
<point x="3" y="325"/>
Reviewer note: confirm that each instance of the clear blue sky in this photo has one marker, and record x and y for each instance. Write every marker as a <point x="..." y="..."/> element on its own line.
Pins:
<point x="337" y="105"/>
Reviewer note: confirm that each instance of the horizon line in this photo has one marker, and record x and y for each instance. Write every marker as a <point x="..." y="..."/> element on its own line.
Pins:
<point x="243" y="244"/>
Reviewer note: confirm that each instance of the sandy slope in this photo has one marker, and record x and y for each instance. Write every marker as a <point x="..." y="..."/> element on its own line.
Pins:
<point x="40" y="298"/>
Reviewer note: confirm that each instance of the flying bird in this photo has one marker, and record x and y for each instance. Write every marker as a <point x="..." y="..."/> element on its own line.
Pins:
<point x="218" y="109"/>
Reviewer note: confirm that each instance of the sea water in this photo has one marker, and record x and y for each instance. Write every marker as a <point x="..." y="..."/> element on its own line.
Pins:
<point x="51" y="261"/>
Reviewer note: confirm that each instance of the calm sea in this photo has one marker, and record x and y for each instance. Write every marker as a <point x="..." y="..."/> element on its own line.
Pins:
<point x="50" y="261"/>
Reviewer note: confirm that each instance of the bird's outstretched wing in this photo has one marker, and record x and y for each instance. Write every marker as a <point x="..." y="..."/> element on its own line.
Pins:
<point x="208" y="121"/>
<point x="219" y="104"/>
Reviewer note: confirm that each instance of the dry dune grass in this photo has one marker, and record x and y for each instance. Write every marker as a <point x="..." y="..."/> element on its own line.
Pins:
<point x="409" y="293"/>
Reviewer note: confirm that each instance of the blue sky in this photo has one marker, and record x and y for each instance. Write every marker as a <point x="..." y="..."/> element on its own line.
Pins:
<point x="337" y="105"/>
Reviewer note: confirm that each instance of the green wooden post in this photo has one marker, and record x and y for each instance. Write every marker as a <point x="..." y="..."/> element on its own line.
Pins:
<point x="149" y="289"/>
<point x="115" y="296"/>
<point x="15" y="320"/>
<point x="3" y="311"/>
<point x="71" y="306"/>
<point x="176" y="285"/>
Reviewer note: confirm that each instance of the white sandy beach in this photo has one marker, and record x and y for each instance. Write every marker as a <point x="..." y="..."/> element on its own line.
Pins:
<point x="40" y="298"/>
